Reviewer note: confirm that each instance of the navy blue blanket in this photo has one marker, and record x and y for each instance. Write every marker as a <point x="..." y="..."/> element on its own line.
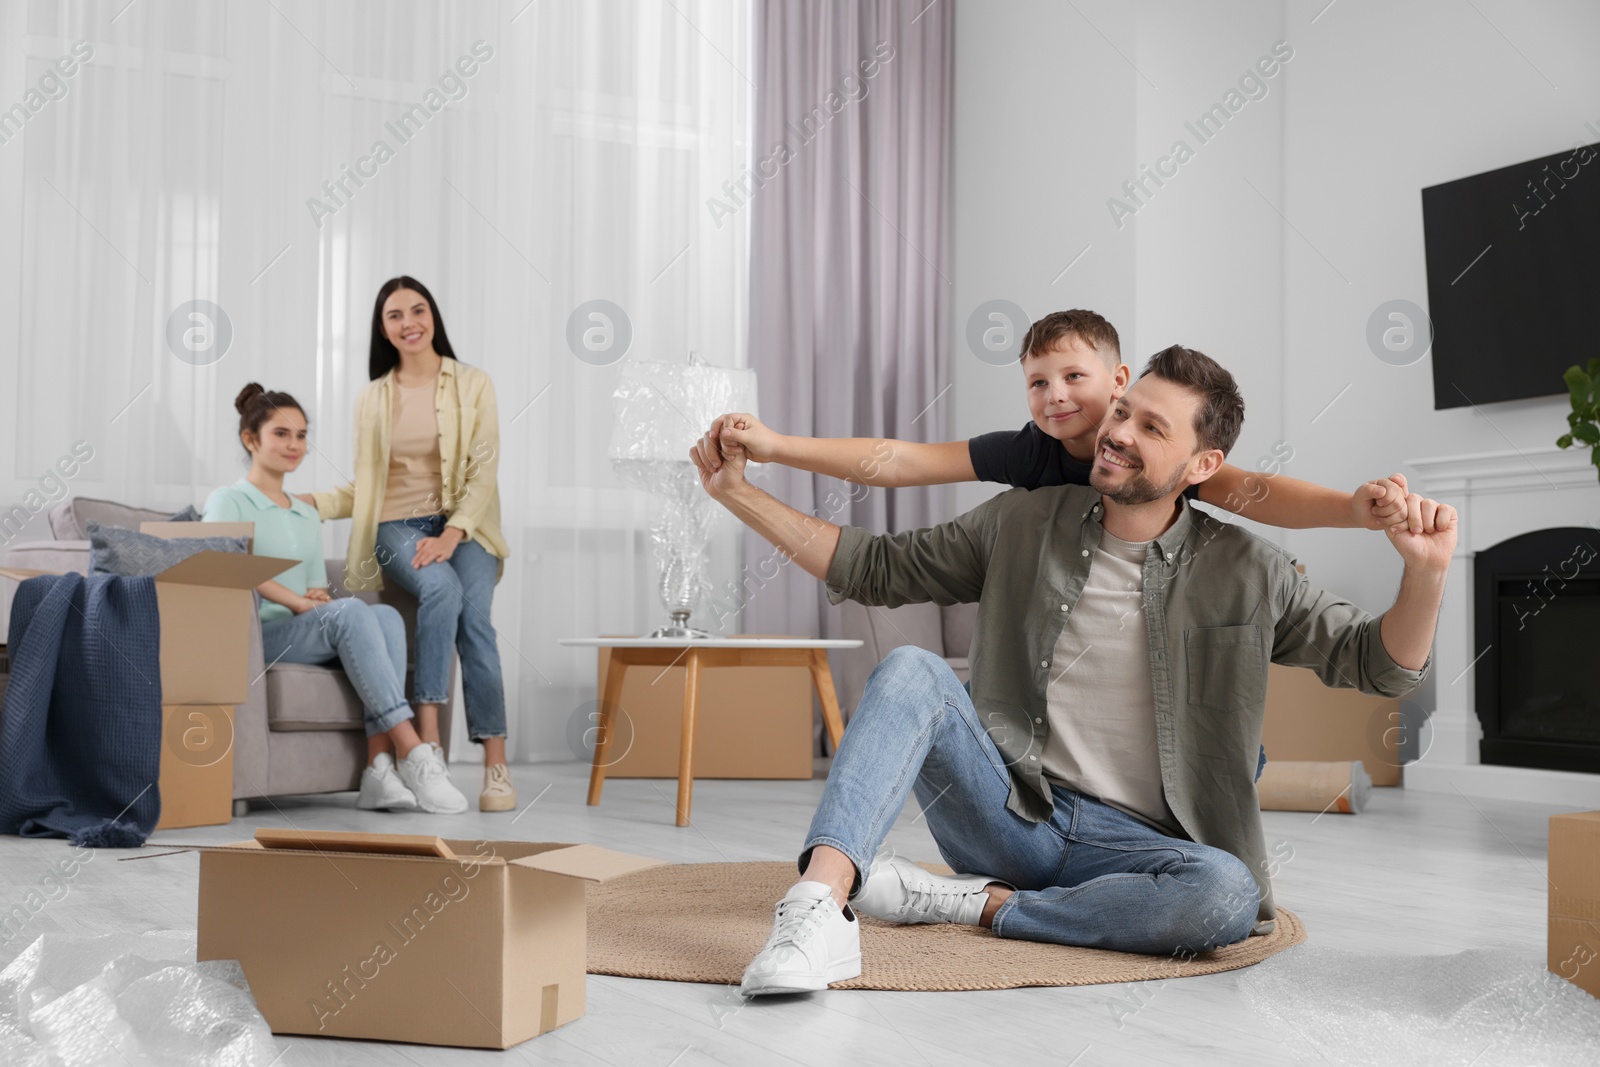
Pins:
<point x="80" y="733"/>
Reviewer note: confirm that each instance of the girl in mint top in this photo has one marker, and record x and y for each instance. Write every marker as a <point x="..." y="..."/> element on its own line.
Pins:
<point x="301" y="623"/>
<point x="294" y="532"/>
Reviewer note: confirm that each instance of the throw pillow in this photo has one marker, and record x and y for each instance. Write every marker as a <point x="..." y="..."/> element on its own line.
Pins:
<point x="115" y="550"/>
<point x="70" y="519"/>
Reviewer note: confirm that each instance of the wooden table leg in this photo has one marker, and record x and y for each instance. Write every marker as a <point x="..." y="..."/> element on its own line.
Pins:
<point x="822" y="677"/>
<point x="610" y="699"/>
<point x="691" y="702"/>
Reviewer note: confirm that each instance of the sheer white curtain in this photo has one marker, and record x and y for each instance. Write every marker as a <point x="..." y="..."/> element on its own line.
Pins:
<point x="282" y="160"/>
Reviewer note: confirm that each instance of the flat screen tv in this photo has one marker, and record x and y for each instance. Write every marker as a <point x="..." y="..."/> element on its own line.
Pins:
<point x="1513" y="277"/>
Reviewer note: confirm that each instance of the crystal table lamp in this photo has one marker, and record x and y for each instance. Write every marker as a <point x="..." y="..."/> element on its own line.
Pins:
<point x="661" y="411"/>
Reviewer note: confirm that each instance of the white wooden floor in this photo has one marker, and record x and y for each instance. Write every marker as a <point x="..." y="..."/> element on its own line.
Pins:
<point x="1416" y="875"/>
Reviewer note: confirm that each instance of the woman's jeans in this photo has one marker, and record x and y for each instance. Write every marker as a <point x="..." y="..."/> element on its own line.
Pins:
<point x="453" y="599"/>
<point x="1091" y="875"/>
<point x="368" y="640"/>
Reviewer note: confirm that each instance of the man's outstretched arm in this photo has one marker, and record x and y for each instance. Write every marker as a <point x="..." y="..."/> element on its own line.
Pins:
<point x="1426" y="543"/>
<point x="1382" y="655"/>
<point x="806" y="539"/>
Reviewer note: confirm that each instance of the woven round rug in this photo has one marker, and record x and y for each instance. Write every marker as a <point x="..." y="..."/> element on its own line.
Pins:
<point x="704" y="922"/>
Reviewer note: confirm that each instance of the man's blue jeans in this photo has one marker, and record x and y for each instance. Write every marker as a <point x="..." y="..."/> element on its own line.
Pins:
<point x="1091" y="875"/>
<point x="453" y="598"/>
<point x="368" y="640"/>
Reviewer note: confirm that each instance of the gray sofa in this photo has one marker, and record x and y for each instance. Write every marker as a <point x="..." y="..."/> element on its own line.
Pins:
<point x="301" y="729"/>
<point x="947" y="631"/>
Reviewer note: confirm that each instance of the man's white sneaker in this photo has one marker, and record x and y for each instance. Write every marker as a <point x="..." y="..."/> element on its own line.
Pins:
<point x="423" y="772"/>
<point x="898" y="891"/>
<point x="813" y="942"/>
<point x="382" y="789"/>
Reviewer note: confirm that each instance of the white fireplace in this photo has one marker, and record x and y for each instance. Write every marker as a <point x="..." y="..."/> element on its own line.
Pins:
<point x="1499" y="495"/>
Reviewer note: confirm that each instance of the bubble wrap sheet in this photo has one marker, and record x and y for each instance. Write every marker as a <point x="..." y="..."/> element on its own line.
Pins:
<point x="1486" y="1008"/>
<point x="124" y="1000"/>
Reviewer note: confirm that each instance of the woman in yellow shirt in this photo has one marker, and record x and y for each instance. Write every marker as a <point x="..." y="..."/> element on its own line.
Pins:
<point x="426" y="510"/>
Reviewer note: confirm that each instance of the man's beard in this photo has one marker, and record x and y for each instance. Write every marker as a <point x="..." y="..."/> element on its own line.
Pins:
<point x="1138" y="489"/>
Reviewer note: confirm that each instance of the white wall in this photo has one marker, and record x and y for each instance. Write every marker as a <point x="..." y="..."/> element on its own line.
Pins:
<point x="1382" y="102"/>
<point x="1376" y="103"/>
<point x="1044" y="127"/>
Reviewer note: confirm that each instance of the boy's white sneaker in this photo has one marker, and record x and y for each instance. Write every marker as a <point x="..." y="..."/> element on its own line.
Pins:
<point x="813" y="942"/>
<point x="382" y="789"/>
<point x="898" y="891"/>
<point x="423" y="772"/>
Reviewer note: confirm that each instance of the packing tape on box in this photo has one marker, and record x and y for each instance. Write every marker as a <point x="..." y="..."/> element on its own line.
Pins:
<point x="1288" y="785"/>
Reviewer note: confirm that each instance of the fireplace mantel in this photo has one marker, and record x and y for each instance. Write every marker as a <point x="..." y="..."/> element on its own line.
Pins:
<point x="1498" y="495"/>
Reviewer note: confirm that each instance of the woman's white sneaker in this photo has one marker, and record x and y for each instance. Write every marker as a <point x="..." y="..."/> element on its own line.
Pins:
<point x="813" y="942"/>
<point x="498" y="792"/>
<point x="898" y="891"/>
<point x="423" y="772"/>
<point x="382" y="789"/>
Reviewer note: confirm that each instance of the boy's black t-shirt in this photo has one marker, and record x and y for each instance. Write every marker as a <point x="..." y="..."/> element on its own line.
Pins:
<point x="1030" y="459"/>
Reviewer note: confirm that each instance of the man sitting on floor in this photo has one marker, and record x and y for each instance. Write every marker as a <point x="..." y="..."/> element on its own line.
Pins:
<point x="1097" y="787"/>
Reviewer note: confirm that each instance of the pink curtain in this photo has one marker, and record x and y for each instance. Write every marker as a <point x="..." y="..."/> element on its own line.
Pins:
<point x="849" y="278"/>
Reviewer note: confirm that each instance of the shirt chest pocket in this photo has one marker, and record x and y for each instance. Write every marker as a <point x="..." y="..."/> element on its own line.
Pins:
<point x="1227" y="667"/>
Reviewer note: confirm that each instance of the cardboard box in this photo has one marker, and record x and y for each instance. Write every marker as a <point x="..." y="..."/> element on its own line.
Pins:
<point x="379" y="936"/>
<point x="196" y="765"/>
<point x="205" y="607"/>
<point x="751" y="722"/>
<point x="1306" y="720"/>
<point x="197" y="726"/>
<point x="1574" y="942"/>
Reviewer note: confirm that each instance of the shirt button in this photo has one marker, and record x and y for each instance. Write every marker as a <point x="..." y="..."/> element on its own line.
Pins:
<point x="1033" y="757"/>
<point x="1169" y="555"/>
<point x="1064" y="607"/>
<point x="1038" y="720"/>
<point x="1086" y="552"/>
<point x="1044" y="663"/>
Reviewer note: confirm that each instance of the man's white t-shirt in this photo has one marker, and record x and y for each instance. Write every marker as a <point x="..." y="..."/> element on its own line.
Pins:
<point x="1100" y="702"/>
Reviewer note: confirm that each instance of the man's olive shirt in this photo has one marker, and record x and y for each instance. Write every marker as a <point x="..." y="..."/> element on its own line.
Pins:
<point x="1219" y="603"/>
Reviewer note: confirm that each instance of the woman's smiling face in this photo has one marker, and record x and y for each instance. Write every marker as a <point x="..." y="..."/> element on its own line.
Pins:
<point x="408" y="321"/>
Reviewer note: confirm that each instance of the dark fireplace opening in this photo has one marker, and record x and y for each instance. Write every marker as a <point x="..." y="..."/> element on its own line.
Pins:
<point x="1537" y="624"/>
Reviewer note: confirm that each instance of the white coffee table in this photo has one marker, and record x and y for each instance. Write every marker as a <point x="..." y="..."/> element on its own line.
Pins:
<point x="694" y="654"/>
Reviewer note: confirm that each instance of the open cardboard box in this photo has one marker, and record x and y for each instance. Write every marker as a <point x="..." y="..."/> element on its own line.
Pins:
<point x="1574" y="941"/>
<point x="205" y="606"/>
<point x="405" y="938"/>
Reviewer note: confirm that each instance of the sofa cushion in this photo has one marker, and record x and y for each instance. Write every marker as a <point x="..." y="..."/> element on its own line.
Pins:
<point x="958" y="621"/>
<point x="301" y="696"/>
<point x="70" y="519"/>
<point x="115" y="550"/>
<point x="57" y="557"/>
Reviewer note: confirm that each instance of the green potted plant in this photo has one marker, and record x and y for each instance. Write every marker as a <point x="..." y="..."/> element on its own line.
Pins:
<point x="1584" y="418"/>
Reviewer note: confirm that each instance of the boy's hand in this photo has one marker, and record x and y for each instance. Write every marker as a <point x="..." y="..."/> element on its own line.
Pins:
<point x="1427" y="539"/>
<point x="719" y="461"/>
<point x="1380" y="503"/>
<point x="746" y="431"/>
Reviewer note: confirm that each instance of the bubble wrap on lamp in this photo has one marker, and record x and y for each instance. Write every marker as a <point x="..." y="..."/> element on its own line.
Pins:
<point x="661" y="410"/>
